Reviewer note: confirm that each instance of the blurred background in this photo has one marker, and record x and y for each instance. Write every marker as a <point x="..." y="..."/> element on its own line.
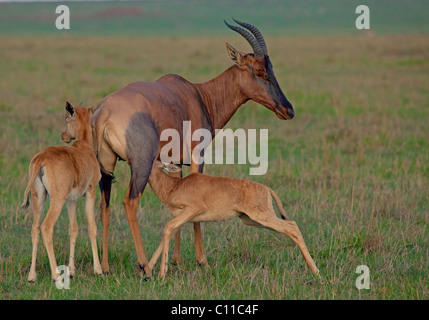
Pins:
<point x="278" y="17"/>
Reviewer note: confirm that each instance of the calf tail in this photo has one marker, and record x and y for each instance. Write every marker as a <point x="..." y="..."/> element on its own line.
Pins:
<point x="34" y="169"/>
<point x="278" y="204"/>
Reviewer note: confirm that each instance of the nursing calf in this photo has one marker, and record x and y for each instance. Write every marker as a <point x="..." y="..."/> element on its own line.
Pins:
<point x="199" y="197"/>
<point x="65" y="173"/>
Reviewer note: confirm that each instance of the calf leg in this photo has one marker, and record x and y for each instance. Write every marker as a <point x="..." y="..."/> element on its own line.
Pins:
<point x="73" y="232"/>
<point x="169" y="230"/>
<point x="92" y="227"/>
<point x="47" y="229"/>
<point x="176" y="258"/>
<point x="177" y="255"/>
<point x="38" y="194"/>
<point x="289" y="228"/>
<point x="199" y="250"/>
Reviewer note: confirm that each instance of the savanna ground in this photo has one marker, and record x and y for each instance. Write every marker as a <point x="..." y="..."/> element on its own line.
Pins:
<point x="352" y="167"/>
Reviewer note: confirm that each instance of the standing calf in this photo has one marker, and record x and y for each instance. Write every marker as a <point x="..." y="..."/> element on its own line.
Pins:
<point x="65" y="173"/>
<point x="199" y="197"/>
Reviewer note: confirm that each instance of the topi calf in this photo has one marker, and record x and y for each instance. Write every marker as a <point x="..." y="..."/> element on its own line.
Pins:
<point x="64" y="173"/>
<point x="199" y="197"/>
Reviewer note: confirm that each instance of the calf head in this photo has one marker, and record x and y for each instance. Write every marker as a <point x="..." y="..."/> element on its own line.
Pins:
<point x="77" y="122"/>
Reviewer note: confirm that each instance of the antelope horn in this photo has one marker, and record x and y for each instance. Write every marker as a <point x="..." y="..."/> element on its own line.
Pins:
<point x="255" y="31"/>
<point x="251" y="39"/>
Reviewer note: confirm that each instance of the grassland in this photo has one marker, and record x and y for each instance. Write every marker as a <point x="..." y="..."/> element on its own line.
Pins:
<point x="352" y="168"/>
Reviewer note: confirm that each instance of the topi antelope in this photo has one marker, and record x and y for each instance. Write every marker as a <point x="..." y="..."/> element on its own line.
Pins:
<point x="65" y="173"/>
<point x="127" y="125"/>
<point x="199" y="197"/>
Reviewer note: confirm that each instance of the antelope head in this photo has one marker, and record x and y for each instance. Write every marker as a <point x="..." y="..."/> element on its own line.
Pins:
<point x="258" y="81"/>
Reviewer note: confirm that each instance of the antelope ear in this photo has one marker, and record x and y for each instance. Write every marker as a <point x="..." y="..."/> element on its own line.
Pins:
<point x="69" y="109"/>
<point x="234" y="55"/>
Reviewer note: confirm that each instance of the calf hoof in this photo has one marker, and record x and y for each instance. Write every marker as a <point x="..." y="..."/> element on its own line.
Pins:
<point x="146" y="278"/>
<point x="203" y="263"/>
<point x="98" y="271"/>
<point x="175" y="260"/>
<point x="31" y="278"/>
<point x="58" y="281"/>
<point x="146" y="271"/>
<point x="105" y="269"/>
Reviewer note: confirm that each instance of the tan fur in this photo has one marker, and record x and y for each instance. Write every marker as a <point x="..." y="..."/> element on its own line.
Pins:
<point x="199" y="197"/>
<point x="65" y="173"/>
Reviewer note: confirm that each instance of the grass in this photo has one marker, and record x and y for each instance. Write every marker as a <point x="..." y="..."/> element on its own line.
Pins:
<point x="351" y="168"/>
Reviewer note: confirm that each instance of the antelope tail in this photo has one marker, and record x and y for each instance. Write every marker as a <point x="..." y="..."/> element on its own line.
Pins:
<point x="33" y="172"/>
<point x="278" y="204"/>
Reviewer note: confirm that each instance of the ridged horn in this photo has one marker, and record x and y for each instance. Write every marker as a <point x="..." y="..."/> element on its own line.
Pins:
<point x="255" y="31"/>
<point x="251" y="39"/>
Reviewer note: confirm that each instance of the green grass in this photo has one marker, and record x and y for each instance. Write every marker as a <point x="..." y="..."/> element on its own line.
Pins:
<point x="352" y="168"/>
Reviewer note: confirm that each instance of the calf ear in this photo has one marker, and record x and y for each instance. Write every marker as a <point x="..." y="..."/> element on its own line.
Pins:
<point x="69" y="109"/>
<point x="172" y="168"/>
<point x="235" y="55"/>
<point x="158" y="163"/>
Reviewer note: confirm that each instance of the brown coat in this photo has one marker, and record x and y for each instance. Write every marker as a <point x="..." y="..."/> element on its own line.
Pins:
<point x="199" y="197"/>
<point x="65" y="173"/>
<point x="128" y="123"/>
